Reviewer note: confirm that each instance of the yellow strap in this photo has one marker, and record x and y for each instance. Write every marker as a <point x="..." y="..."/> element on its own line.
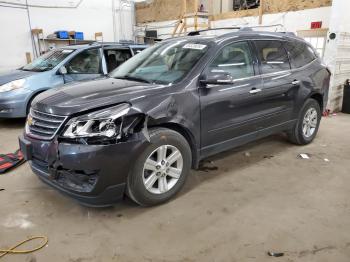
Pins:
<point x="13" y="251"/>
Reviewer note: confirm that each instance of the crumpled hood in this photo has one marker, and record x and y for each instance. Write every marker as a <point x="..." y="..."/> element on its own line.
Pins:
<point x="14" y="75"/>
<point x="82" y="96"/>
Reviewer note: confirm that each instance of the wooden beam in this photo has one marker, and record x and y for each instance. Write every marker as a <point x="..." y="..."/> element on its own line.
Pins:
<point x="176" y="27"/>
<point x="210" y="7"/>
<point x="261" y="11"/>
<point x="28" y="57"/>
<point x="195" y="2"/>
<point x="183" y="26"/>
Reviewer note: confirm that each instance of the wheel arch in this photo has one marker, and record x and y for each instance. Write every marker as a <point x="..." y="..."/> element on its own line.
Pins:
<point x="187" y="135"/>
<point x="33" y="95"/>
<point x="319" y="98"/>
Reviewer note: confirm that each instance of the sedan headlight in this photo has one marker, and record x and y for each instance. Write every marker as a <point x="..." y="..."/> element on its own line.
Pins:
<point x="12" y="85"/>
<point x="102" y="123"/>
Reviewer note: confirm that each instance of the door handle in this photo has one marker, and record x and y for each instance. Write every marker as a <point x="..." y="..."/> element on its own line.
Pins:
<point x="255" y="91"/>
<point x="296" y="83"/>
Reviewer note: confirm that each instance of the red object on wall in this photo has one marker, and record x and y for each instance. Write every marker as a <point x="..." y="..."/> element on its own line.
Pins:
<point x="316" y="25"/>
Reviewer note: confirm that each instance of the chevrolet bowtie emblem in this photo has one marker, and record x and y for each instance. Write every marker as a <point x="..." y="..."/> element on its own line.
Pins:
<point x="30" y="120"/>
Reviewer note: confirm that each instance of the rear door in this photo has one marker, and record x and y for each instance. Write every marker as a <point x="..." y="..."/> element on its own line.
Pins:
<point x="116" y="56"/>
<point x="230" y="111"/>
<point x="279" y="86"/>
<point x="307" y="74"/>
<point x="84" y="66"/>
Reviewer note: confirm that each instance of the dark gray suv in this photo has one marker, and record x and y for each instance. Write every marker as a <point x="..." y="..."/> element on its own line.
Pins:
<point x="141" y="129"/>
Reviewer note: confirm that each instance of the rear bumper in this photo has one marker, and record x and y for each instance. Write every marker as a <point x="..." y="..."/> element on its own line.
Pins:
<point x="94" y="175"/>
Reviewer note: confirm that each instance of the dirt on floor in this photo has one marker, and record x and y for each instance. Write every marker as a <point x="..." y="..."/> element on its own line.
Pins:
<point x="240" y="205"/>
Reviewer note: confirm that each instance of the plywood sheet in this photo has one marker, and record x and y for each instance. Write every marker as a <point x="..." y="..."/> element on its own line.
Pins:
<point x="275" y="6"/>
<point x="162" y="10"/>
<point x="165" y="10"/>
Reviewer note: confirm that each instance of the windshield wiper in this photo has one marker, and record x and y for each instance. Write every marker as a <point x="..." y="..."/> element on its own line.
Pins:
<point x="134" y="79"/>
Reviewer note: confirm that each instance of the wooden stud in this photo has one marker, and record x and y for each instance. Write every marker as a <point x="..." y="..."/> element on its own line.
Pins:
<point x="183" y="26"/>
<point x="210" y="13"/>
<point x="210" y="7"/>
<point x="176" y="27"/>
<point x="195" y="15"/>
<point x="28" y="57"/>
<point x="261" y="11"/>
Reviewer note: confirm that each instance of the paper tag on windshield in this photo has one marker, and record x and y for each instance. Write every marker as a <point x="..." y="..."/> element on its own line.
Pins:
<point x="67" y="51"/>
<point x="194" y="46"/>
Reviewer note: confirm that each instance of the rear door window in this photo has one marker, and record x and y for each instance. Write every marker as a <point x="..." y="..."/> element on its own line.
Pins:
<point x="300" y="54"/>
<point x="116" y="57"/>
<point x="234" y="59"/>
<point x="273" y="56"/>
<point x="137" y="50"/>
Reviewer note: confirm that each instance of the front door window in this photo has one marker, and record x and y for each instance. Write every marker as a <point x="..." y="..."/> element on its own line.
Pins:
<point x="234" y="59"/>
<point x="86" y="62"/>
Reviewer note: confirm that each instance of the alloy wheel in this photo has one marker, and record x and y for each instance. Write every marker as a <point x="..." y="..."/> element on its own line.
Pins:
<point x="310" y="122"/>
<point x="162" y="169"/>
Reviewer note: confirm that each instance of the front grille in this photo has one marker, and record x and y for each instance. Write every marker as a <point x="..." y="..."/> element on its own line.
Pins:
<point x="43" y="125"/>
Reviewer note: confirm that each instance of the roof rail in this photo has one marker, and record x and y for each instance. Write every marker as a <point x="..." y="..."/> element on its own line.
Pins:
<point x="266" y="26"/>
<point x="198" y="32"/>
<point x="240" y="28"/>
<point x="121" y="42"/>
<point x="289" y="33"/>
<point x="127" y="42"/>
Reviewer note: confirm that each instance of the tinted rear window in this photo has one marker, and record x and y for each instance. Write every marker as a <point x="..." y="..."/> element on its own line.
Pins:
<point x="273" y="56"/>
<point x="300" y="54"/>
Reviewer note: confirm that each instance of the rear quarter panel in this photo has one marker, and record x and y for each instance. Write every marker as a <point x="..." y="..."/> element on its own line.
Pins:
<point x="314" y="79"/>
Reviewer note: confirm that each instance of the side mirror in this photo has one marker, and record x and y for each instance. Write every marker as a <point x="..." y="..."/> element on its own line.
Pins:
<point x="217" y="78"/>
<point x="62" y="70"/>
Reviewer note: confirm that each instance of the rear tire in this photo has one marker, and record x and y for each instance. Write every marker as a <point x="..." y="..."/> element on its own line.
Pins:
<point x="306" y="128"/>
<point x="161" y="170"/>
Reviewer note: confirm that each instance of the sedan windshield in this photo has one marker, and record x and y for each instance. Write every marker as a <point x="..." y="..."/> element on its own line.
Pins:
<point x="48" y="61"/>
<point x="164" y="63"/>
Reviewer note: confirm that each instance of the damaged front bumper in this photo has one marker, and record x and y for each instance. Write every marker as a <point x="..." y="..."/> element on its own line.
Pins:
<point x="95" y="175"/>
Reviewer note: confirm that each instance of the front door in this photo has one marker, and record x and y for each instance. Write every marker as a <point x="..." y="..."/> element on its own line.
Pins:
<point x="229" y="112"/>
<point x="84" y="66"/>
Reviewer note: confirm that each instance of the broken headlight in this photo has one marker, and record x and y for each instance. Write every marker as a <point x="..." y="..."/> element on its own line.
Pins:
<point x="102" y="123"/>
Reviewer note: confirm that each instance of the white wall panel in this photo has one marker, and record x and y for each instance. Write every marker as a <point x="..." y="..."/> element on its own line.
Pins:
<point x="91" y="16"/>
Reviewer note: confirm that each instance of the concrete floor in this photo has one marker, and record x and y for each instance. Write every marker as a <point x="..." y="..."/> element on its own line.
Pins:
<point x="261" y="197"/>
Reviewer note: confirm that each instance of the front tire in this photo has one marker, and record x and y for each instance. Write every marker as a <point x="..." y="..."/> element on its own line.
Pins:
<point x="305" y="130"/>
<point x="161" y="170"/>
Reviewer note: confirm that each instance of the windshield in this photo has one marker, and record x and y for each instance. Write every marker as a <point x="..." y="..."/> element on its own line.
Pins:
<point x="48" y="61"/>
<point x="163" y="63"/>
